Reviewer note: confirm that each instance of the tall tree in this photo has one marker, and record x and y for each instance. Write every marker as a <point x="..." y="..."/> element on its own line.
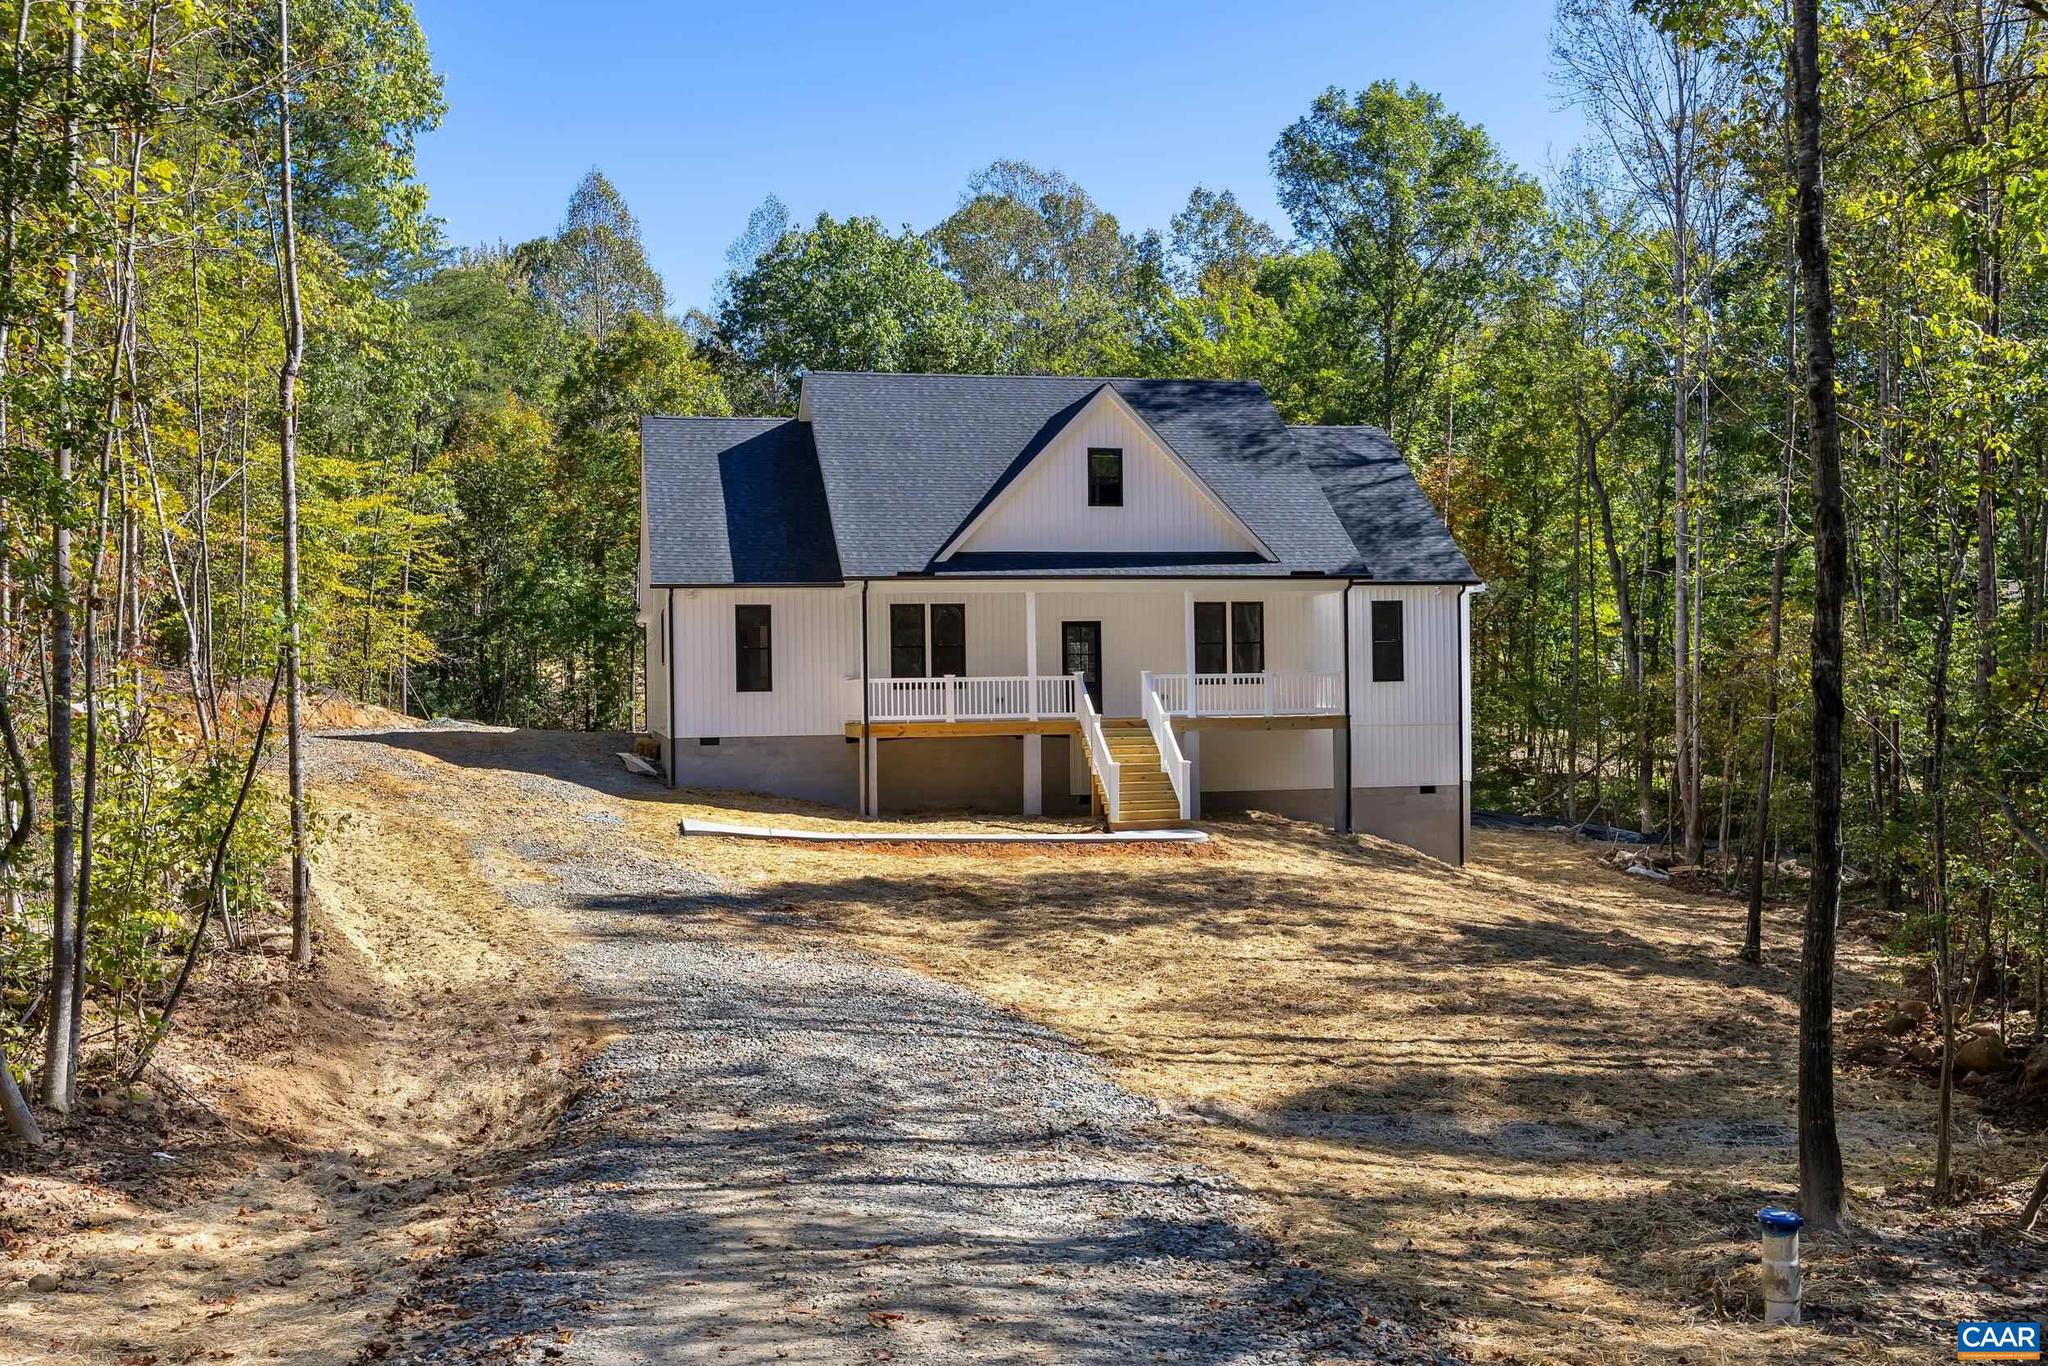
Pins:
<point x="1427" y="224"/>
<point x="1820" y="1151"/>
<point x="288" y="488"/>
<point x="594" y="270"/>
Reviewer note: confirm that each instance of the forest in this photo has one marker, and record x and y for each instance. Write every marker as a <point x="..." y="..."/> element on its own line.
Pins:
<point x="267" y="437"/>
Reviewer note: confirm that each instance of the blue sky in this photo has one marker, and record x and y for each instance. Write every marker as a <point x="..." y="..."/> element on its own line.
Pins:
<point x="698" y="112"/>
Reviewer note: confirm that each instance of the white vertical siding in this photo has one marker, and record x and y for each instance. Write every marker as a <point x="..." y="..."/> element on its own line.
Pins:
<point x="816" y="662"/>
<point x="1164" y="507"/>
<point x="1409" y="733"/>
<point x="660" y="700"/>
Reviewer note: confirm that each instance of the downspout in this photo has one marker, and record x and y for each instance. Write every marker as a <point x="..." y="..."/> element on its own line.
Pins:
<point x="866" y="738"/>
<point x="1350" y="749"/>
<point x="675" y="745"/>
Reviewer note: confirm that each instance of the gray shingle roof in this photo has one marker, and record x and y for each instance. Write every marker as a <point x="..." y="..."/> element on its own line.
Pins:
<point x="909" y="459"/>
<point x="1391" y="521"/>
<point x="889" y="468"/>
<point x="735" y="500"/>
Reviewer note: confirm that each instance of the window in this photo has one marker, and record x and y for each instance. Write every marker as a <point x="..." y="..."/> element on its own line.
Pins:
<point x="1248" y="637"/>
<point x="949" y="639"/>
<point x="1230" y="637"/>
<point x="912" y="625"/>
<point x="906" y="640"/>
<point x="1105" y="477"/>
<point x="753" y="656"/>
<point x="1386" y="643"/>
<point x="1212" y="638"/>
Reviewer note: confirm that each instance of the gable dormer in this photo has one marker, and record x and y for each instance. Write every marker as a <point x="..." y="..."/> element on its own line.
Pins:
<point x="1106" y="482"/>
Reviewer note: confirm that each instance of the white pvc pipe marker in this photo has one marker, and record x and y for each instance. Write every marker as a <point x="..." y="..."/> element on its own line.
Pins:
<point x="1781" y="1264"/>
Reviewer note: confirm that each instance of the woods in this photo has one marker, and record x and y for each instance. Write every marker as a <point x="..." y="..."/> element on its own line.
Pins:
<point x="1756" y="476"/>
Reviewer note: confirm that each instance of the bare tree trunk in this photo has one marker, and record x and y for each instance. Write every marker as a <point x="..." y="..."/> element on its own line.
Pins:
<point x="288" y="455"/>
<point x="59" y="1067"/>
<point x="1753" y="936"/>
<point x="1820" y="1150"/>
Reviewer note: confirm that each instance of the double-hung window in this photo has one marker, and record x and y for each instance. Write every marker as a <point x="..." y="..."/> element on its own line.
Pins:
<point x="753" y="650"/>
<point x="927" y="640"/>
<point x="1105" y="477"/>
<point x="1230" y="637"/>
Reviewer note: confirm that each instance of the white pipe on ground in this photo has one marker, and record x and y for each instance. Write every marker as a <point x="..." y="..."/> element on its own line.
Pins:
<point x="1781" y="1264"/>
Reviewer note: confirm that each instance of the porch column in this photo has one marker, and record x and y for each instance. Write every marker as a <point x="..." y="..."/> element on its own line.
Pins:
<point x="1187" y="614"/>
<point x="873" y="752"/>
<point x="1340" y="778"/>
<point x="1191" y="746"/>
<point x="1034" y="775"/>
<point x="1031" y="650"/>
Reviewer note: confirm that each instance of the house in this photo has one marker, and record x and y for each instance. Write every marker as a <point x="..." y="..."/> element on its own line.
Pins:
<point x="1150" y="598"/>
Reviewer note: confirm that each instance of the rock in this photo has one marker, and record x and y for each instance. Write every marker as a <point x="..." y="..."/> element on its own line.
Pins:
<point x="277" y="998"/>
<point x="44" y="1281"/>
<point x="1871" y="1048"/>
<point x="2035" y="1074"/>
<point x="1645" y="870"/>
<point x="1980" y="1053"/>
<point x="537" y="1056"/>
<point x="1983" y="1029"/>
<point x="1920" y="1055"/>
<point x="1899" y="1024"/>
<point x="647" y="746"/>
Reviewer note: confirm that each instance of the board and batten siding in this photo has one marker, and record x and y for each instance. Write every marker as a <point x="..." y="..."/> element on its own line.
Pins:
<point x="1165" y="508"/>
<point x="995" y="630"/>
<point x="1410" y="733"/>
<point x="815" y="635"/>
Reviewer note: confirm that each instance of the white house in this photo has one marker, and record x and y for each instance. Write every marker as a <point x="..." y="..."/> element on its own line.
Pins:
<point x="1036" y="594"/>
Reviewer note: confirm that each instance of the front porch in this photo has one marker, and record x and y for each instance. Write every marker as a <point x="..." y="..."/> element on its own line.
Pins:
<point x="1141" y="670"/>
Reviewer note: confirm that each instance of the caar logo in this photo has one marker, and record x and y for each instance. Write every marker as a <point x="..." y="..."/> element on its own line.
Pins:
<point x="1984" y="1340"/>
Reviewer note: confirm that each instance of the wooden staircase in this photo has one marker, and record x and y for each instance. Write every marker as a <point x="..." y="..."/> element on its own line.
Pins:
<point x="1148" y="801"/>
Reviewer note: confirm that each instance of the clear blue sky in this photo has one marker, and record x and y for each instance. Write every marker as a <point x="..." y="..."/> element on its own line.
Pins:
<point x="699" y="111"/>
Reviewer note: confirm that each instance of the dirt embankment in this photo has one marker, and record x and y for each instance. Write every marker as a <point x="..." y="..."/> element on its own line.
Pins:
<point x="306" y="1137"/>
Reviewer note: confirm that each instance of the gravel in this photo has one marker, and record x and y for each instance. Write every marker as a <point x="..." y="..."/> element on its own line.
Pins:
<point x="812" y="1156"/>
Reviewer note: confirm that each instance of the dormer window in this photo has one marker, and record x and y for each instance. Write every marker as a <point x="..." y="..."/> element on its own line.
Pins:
<point x="1105" y="477"/>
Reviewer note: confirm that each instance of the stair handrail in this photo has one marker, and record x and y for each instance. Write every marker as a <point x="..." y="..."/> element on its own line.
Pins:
<point x="1178" y="770"/>
<point x="1107" y="770"/>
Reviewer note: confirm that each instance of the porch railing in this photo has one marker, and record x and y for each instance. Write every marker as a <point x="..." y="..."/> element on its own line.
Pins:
<point x="1107" y="771"/>
<point x="1015" y="698"/>
<point x="1277" y="692"/>
<point x="1178" y="770"/>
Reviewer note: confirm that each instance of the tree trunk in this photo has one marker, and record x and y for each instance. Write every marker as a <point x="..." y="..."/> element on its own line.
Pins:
<point x="1820" y="1151"/>
<point x="59" y="1067"/>
<point x="288" y="481"/>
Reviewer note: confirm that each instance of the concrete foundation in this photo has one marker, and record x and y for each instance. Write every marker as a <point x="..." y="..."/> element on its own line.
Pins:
<point x="1318" y="804"/>
<point x="1433" y="822"/>
<point x="983" y="773"/>
<point x="812" y="768"/>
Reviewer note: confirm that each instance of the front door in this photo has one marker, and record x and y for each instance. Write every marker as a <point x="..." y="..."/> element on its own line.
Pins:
<point x="1081" y="653"/>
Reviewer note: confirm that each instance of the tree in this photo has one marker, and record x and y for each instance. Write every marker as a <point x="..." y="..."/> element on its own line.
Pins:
<point x="1047" y="273"/>
<point x="1426" y="223"/>
<point x="1820" y="1152"/>
<point x="1213" y="237"/>
<point x="594" y="271"/>
<point x="845" y="295"/>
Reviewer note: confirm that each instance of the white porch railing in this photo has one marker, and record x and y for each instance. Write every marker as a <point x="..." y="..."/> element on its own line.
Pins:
<point x="1016" y="698"/>
<point x="1178" y="770"/>
<point x="1279" y="692"/>
<point x="1106" y="768"/>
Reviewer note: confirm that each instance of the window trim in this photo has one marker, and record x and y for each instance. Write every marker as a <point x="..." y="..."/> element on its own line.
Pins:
<point x="909" y="612"/>
<point x="1396" y="641"/>
<point x="926" y="616"/>
<point x="1232" y="638"/>
<point x="742" y="650"/>
<point x="1110" y="493"/>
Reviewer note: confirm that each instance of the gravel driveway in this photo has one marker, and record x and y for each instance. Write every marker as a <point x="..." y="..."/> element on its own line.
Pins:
<point x="812" y="1156"/>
